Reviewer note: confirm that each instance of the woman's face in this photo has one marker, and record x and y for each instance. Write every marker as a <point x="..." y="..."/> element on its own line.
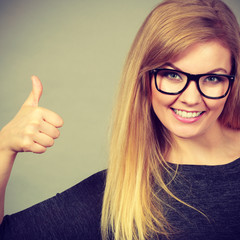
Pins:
<point x="178" y="112"/>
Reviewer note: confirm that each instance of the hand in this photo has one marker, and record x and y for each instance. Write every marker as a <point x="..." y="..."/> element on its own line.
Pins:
<point x="33" y="129"/>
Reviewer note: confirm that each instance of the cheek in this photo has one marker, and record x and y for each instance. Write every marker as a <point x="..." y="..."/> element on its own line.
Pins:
<point x="216" y="105"/>
<point x="158" y="100"/>
<point x="161" y="102"/>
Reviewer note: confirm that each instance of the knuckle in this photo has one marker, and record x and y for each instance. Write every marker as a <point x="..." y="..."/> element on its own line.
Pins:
<point x="26" y="145"/>
<point x="36" y="116"/>
<point x="36" y="124"/>
<point x="38" y="111"/>
<point x="29" y="133"/>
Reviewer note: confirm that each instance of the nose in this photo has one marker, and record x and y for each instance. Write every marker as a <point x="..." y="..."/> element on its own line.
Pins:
<point x="191" y="96"/>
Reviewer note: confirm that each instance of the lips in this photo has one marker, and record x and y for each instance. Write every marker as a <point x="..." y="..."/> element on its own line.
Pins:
<point x="187" y="114"/>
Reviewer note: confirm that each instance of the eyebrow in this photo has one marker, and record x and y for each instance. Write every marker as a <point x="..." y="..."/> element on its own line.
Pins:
<point x="168" y="64"/>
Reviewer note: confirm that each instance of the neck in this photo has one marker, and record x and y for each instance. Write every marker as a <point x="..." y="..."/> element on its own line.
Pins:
<point x="217" y="147"/>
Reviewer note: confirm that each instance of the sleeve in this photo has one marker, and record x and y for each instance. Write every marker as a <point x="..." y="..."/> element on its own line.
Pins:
<point x="73" y="214"/>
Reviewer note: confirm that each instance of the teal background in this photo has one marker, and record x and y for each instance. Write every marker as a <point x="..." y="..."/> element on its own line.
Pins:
<point x="77" y="48"/>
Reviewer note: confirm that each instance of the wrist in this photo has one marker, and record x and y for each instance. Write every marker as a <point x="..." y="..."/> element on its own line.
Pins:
<point x="5" y="149"/>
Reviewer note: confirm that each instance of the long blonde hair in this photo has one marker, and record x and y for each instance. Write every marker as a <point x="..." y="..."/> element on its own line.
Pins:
<point x="139" y="142"/>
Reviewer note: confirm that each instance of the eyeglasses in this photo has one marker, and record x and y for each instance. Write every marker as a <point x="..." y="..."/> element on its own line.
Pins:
<point x="173" y="82"/>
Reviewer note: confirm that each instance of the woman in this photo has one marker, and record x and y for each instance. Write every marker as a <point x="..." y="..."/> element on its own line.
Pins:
<point x="174" y="167"/>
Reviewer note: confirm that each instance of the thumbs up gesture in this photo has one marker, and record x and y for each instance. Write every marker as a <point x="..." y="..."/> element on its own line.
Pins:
<point x="33" y="129"/>
<point x="35" y="94"/>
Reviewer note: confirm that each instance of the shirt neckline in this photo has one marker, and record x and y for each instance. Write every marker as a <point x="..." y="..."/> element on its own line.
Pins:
<point x="191" y="168"/>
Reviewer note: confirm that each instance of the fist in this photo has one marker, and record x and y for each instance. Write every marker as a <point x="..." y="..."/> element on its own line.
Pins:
<point x="33" y="129"/>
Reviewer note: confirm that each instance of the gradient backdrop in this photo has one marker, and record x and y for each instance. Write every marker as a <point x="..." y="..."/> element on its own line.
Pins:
<point x="77" y="48"/>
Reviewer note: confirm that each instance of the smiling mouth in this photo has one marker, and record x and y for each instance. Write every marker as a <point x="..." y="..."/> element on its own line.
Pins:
<point x="185" y="114"/>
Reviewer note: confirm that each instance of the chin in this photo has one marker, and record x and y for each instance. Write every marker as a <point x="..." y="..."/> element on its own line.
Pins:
<point x="187" y="134"/>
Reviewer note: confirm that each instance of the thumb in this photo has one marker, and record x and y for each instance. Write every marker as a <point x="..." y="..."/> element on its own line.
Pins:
<point x="35" y="94"/>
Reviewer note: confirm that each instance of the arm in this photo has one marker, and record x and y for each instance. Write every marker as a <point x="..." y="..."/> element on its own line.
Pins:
<point x="33" y="129"/>
<point x="7" y="159"/>
<point x="72" y="214"/>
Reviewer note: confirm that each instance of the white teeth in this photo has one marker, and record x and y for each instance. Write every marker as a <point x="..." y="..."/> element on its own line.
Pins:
<point x="187" y="114"/>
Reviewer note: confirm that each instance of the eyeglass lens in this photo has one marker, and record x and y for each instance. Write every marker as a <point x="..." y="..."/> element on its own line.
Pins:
<point x="173" y="82"/>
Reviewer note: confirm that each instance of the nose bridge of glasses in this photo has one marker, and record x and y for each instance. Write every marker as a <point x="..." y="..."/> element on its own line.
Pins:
<point x="192" y="78"/>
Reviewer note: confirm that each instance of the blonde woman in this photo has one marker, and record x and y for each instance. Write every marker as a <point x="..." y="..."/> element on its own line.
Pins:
<point x="174" y="157"/>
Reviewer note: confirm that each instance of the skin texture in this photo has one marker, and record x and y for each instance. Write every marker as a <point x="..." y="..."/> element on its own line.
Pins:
<point x="204" y="135"/>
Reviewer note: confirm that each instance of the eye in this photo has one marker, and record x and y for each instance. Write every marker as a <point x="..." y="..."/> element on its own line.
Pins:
<point x="172" y="75"/>
<point x="214" y="79"/>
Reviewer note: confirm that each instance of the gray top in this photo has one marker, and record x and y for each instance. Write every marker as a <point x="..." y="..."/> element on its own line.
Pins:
<point x="214" y="191"/>
<point x="75" y="213"/>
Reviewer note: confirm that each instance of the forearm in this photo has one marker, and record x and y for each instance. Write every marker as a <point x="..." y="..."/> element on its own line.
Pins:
<point x="7" y="157"/>
<point x="6" y="162"/>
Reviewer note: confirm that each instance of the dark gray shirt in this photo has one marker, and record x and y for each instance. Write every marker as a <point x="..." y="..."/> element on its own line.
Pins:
<point x="75" y="213"/>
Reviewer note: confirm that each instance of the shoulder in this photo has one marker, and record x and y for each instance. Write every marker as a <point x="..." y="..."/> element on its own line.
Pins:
<point x="72" y="214"/>
<point x="90" y="188"/>
<point x="83" y="205"/>
<point x="87" y="195"/>
<point x="95" y="182"/>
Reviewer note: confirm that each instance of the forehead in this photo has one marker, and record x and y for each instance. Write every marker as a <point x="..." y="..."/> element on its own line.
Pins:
<point x="204" y="57"/>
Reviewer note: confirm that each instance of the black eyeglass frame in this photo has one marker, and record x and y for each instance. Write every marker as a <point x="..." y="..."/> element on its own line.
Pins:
<point x="195" y="78"/>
